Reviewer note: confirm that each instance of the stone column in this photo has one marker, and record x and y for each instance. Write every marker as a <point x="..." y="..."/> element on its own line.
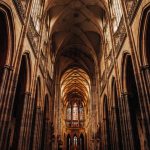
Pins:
<point x="104" y="133"/>
<point x="5" y="73"/>
<point x="6" y="97"/>
<point x="115" y="136"/>
<point x="136" y="66"/>
<point x="24" y="123"/>
<point x="46" y="136"/>
<point x="29" y="122"/>
<point x="145" y="73"/>
<point x="6" y="102"/>
<point x="71" y="115"/>
<point x="37" y="130"/>
<point x="4" y="89"/>
<point x="127" y="122"/>
<point x="145" y="104"/>
<point x="111" y="130"/>
<point x="79" y="115"/>
<point x="122" y="114"/>
<point x="145" y="70"/>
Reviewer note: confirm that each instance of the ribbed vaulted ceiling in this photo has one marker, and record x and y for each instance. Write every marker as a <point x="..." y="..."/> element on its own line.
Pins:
<point x="76" y="36"/>
<point x="75" y="83"/>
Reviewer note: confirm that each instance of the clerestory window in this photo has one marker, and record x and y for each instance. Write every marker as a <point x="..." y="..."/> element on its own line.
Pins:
<point x="36" y="13"/>
<point x="116" y="13"/>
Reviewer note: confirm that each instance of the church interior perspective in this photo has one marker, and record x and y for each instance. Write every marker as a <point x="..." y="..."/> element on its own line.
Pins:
<point x="74" y="74"/>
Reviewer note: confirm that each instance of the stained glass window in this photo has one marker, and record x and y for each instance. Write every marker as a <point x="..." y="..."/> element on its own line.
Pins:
<point x="117" y="12"/>
<point x="69" y="112"/>
<point x="75" y="112"/>
<point x="35" y="13"/>
<point x="81" y="111"/>
<point x="75" y="141"/>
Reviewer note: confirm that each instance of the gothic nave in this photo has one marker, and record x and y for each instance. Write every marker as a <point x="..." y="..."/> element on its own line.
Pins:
<point x="74" y="74"/>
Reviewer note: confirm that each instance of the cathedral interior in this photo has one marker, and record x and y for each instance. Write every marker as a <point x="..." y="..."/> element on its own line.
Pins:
<point x="74" y="74"/>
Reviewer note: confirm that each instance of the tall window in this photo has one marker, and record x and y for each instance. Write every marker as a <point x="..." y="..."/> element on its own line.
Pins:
<point x="36" y="13"/>
<point x="69" y="112"/>
<point x="116" y="13"/>
<point x="68" y="142"/>
<point x="75" y="140"/>
<point x="75" y="114"/>
<point x="75" y="111"/>
<point x="81" y="111"/>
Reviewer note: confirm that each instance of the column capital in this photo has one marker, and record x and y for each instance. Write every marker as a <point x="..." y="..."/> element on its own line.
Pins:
<point x="38" y="108"/>
<point x="145" y="67"/>
<point x="113" y="107"/>
<point x="124" y="93"/>
<point x="27" y="93"/>
<point x="7" y="67"/>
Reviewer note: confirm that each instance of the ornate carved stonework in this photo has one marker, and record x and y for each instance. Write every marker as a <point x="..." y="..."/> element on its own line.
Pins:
<point x="103" y="81"/>
<point x="42" y="66"/>
<point x="110" y="63"/>
<point x="32" y="28"/>
<point x="119" y="36"/>
<point x="20" y="8"/>
<point x="132" y="6"/>
<point x="32" y="42"/>
<point x="33" y="36"/>
<point x="49" y="83"/>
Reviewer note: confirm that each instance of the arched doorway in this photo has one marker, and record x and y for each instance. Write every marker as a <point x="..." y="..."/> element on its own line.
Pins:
<point x="19" y="102"/>
<point x="81" y="142"/>
<point x="6" y="39"/>
<point x="133" y="102"/>
<point x="68" y="142"/>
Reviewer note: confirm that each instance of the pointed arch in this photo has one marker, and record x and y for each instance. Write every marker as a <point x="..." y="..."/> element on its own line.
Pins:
<point x="123" y="70"/>
<point x="144" y="49"/>
<point x="81" y="142"/>
<point x="20" y="103"/>
<point x="39" y="91"/>
<point x="29" y="69"/>
<point x="7" y="38"/>
<point x="130" y="88"/>
<point x="8" y="29"/>
<point x="116" y="106"/>
<point x="68" y="142"/>
<point x="144" y="36"/>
